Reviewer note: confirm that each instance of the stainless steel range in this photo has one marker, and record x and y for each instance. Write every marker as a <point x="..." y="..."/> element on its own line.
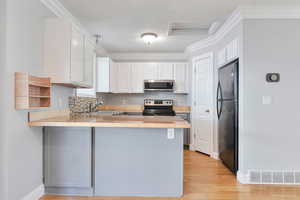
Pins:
<point x="158" y="107"/>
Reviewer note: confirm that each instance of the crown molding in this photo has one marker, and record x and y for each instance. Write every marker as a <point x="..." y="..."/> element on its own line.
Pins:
<point x="60" y="11"/>
<point x="241" y="13"/>
<point x="270" y="12"/>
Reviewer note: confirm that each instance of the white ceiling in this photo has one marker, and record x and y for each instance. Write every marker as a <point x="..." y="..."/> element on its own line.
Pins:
<point x="121" y="22"/>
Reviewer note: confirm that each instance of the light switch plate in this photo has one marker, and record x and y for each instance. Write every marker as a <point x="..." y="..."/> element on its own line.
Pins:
<point x="171" y="134"/>
<point x="267" y="100"/>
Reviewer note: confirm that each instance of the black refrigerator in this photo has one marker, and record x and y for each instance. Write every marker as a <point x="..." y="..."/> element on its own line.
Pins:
<point x="227" y="110"/>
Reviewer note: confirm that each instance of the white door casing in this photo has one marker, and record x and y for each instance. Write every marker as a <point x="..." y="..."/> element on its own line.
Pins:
<point x="202" y="104"/>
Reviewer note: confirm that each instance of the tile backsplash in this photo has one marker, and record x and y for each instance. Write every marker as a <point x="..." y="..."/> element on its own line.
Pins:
<point x="138" y="99"/>
<point x="82" y="104"/>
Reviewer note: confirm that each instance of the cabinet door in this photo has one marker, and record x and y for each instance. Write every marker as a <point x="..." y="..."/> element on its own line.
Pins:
<point x="165" y="71"/>
<point x="103" y="74"/>
<point x="232" y="50"/>
<point x="221" y="57"/>
<point x="89" y="64"/>
<point x="68" y="157"/>
<point x="150" y="71"/>
<point x="113" y="76"/>
<point x="124" y="74"/>
<point x="77" y="56"/>
<point x="180" y="77"/>
<point x="137" y="78"/>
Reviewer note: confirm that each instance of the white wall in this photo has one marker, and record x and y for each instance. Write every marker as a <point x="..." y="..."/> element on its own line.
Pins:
<point x="268" y="134"/>
<point x="23" y="145"/>
<point x="271" y="132"/>
<point x="2" y="84"/>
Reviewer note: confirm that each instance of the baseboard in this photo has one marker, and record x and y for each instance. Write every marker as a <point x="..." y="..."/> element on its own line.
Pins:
<point x="242" y="177"/>
<point x="215" y="155"/>
<point x="36" y="194"/>
<point x="192" y="148"/>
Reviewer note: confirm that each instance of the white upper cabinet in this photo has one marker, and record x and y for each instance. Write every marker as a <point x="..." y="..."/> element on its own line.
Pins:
<point x="221" y="57"/>
<point x="137" y="78"/>
<point x="229" y="53"/>
<point x="66" y="54"/>
<point x="103" y="74"/>
<point x="124" y="77"/>
<point x="113" y="76"/>
<point x="165" y="71"/>
<point x="232" y="50"/>
<point x="77" y="56"/>
<point x="90" y="92"/>
<point x="107" y="75"/>
<point x="181" y="77"/>
<point x="89" y="63"/>
<point x="150" y="71"/>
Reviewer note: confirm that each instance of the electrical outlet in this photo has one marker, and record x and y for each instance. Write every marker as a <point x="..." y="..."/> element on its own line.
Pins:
<point x="171" y="133"/>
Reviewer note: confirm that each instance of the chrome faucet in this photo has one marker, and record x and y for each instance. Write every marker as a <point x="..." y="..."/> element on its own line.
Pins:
<point x="99" y="102"/>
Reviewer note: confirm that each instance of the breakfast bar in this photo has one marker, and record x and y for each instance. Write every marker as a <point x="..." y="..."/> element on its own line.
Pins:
<point x="113" y="155"/>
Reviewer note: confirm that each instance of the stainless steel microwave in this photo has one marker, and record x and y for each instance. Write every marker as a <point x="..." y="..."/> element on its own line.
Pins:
<point x="159" y="85"/>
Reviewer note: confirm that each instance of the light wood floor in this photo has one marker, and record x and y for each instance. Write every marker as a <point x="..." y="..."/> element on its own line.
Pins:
<point x="207" y="179"/>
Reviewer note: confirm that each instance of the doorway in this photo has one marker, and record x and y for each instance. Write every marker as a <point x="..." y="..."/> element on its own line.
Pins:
<point x="202" y="104"/>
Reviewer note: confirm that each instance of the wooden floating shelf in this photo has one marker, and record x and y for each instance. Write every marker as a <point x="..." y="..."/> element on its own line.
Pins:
<point x="33" y="96"/>
<point x="38" y="85"/>
<point x="32" y="92"/>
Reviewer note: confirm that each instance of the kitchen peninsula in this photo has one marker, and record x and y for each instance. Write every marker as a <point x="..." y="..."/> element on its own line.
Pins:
<point x="112" y="155"/>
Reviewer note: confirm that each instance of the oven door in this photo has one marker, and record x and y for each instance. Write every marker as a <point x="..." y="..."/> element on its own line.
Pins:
<point x="159" y="85"/>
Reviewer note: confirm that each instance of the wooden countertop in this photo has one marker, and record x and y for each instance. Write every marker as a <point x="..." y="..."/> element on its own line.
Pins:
<point x="140" y="108"/>
<point x="102" y="120"/>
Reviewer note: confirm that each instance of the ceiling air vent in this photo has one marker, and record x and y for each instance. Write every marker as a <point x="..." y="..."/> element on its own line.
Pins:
<point x="179" y="28"/>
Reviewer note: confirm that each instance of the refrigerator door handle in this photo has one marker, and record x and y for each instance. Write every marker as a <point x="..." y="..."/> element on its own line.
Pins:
<point x="221" y="94"/>
<point x="218" y="99"/>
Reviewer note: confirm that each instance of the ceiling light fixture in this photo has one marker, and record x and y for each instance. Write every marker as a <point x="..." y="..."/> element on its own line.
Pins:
<point x="149" y="38"/>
